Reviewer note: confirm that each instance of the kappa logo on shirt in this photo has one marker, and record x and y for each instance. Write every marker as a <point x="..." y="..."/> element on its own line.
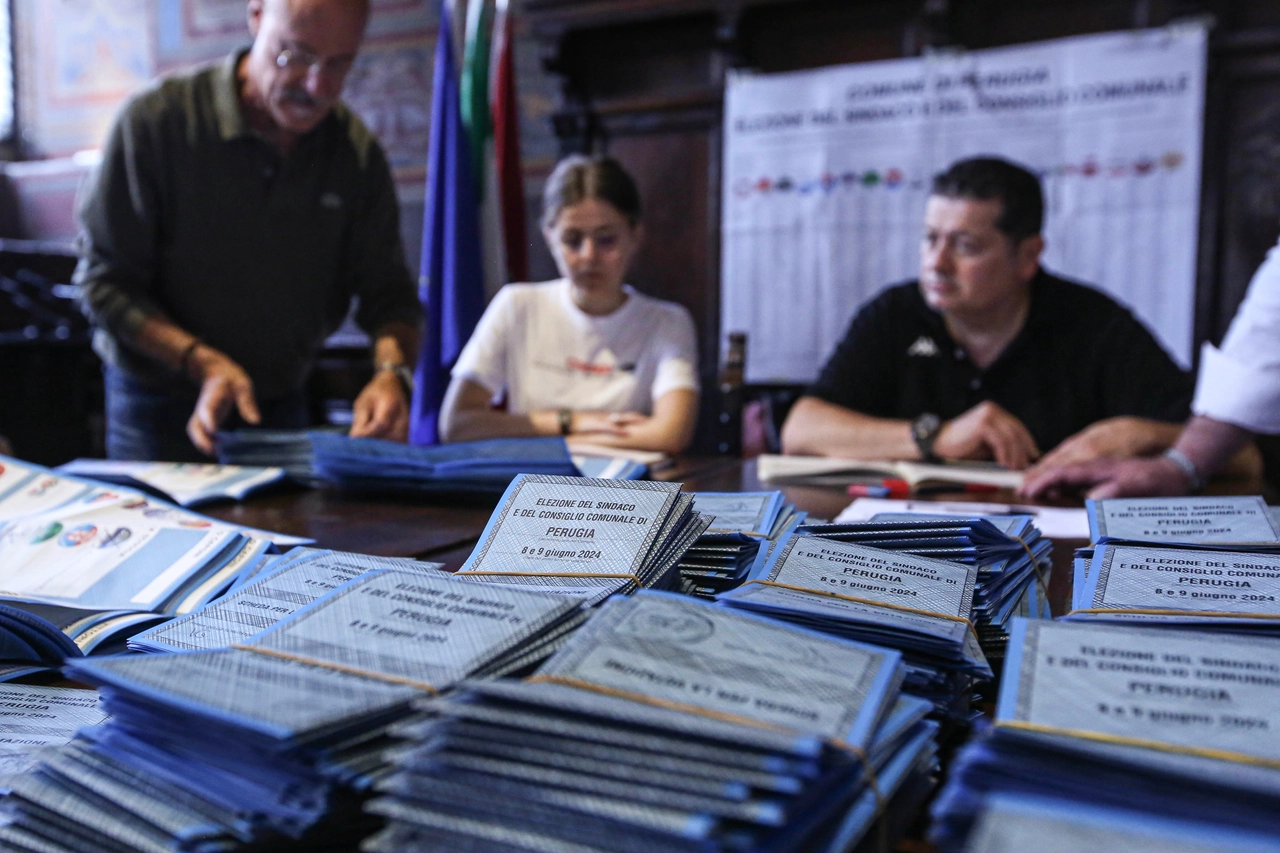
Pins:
<point x="923" y="347"/>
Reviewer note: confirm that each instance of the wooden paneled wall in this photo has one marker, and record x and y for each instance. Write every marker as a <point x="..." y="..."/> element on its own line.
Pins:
<point x="644" y="80"/>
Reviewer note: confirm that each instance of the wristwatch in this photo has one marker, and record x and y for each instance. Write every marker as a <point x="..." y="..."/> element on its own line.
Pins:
<point x="402" y="372"/>
<point x="924" y="431"/>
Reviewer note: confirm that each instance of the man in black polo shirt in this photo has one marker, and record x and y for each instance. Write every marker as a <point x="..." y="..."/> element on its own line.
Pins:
<point x="237" y="210"/>
<point x="988" y="356"/>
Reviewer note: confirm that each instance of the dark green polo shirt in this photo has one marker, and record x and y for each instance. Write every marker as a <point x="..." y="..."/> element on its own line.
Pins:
<point x="194" y="216"/>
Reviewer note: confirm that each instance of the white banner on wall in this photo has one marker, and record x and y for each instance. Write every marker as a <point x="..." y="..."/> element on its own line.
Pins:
<point x="826" y="174"/>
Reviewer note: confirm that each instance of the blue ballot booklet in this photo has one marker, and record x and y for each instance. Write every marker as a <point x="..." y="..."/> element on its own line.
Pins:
<point x="1230" y="523"/>
<point x="278" y="593"/>
<point x="1178" y="725"/>
<point x="915" y="604"/>
<point x="1012" y="823"/>
<point x="1220" y="590"/>
<point x="475" y="467"/>
<point x="252" y="738"/>
<point x="576" y="527"/>
<point x="184" y="483"/>
<point x="665" y="724"/>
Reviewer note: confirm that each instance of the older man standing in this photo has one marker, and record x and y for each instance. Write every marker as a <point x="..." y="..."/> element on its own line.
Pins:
<point x="237" y="210"/>
<point x="988" y="356"/>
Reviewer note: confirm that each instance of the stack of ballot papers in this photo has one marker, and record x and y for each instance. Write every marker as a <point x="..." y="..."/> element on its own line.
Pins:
<point x="184" y="483"/>
<point x="1209" y="590"/>
<point x="1227" y="523"/>
<point x="287" y="449"/>
<point x="205" y="749"/>
<point x="268" y="595"/>
<point x="1012" y="557"/>
<point x="469" y="467"/>
<point x="1012" y="823"/>
<point x="586" y="536"/>
<point x="665" y="724"/>
<point x="917" y="605"/>
<point x="745" y="527"/>
<point x="1169" y="725"/>
<point x="33" y="716"/>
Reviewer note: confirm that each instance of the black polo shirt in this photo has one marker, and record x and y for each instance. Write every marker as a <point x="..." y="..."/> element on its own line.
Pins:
<point x="1079" y="358"/>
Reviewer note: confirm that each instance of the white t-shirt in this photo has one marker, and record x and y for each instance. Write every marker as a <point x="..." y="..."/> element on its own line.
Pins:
<point x="1240" y="383"/>
<point x="540" y="349"/>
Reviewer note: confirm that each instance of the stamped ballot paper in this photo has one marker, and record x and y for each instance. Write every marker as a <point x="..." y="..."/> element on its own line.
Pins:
<point x="579" y="527"/>
<point x="1181" y="586"/>
<point x="1198" y="521"/>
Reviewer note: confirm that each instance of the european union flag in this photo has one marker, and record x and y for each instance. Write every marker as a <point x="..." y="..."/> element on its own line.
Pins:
<point x="451" y="284"/>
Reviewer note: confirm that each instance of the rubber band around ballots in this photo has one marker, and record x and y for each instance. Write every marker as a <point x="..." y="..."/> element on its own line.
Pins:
<point x="1159" y="746"/>
<point x="857" y="752"/>
<point x="1035" y="565"/>
<point x="1139" y="611"/>
<point x="869" y="601"/>
<point x="350" y="670"/>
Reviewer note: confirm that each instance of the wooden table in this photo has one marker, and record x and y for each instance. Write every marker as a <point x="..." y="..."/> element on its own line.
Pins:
<point x="391" y="526"/>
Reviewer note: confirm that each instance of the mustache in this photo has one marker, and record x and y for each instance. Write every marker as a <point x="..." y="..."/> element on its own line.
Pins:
<point x="298" y="96"/>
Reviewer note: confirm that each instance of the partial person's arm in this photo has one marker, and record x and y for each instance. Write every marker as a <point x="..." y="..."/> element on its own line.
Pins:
<point x="389" y="309"/>
<point x="1237" y="394"/>
<point x="815" y="427"/>
<point x="120" y="214"/>
<point x="382" y="408"/>
<point x="668" y="430"/>
<point x="468" y="415"/>
<point x="1206" y="443"/>
<point x="1126" y="438"/>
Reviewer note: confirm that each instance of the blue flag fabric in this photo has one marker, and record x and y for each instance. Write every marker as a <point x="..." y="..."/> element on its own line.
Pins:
<point x="451" y="284"/>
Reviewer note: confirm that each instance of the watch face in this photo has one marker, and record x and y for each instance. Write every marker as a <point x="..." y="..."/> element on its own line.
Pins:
<point x="925" y="426"/>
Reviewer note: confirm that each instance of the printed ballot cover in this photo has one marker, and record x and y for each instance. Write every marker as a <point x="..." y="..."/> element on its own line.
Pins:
<point x="1016" y="824"/>
<point x="279" y="698"/>
<point x="935" y="596"/>
<point x="109" y="550"/>
<point x="33" y="716"/>
<point x="674" y="651"/>
<point x="1211" y="695"/>
<point x="27" y="489"/>
<point x="239" y="615"/>
<point x="413" y="628"/>
<point x="548" y="524"/>
<point x="184" y="483"/>
<point x="1159" y="583"/>
<point x="1206" y="521"/>
<point x="752" y="513"/>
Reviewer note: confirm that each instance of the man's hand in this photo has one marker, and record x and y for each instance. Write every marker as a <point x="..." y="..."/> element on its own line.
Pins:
<point x="1113" y="438"/>
<point x="1109" y="478"/>
<point x="382" y="409"/>
<point x="223" y="385"/>
<point x="987" y="432"/>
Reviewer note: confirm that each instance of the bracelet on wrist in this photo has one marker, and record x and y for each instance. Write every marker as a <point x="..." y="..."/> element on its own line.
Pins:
<point x="1195" y="482"/>
<point x="402" y="372"/>
<point x="564" y="418"/>
<point x="184" y="363"/>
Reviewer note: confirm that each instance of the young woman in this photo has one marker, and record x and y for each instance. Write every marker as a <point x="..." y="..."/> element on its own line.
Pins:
<point x="585" y="356"/>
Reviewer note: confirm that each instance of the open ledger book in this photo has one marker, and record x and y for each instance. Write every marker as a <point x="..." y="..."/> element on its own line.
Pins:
<point x="826" y="471"/>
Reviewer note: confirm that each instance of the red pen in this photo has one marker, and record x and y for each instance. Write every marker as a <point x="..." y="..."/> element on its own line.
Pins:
<point x="888" y="488"/>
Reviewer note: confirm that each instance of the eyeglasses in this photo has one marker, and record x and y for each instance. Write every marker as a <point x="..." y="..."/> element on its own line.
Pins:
<point x="301" y="62"/>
